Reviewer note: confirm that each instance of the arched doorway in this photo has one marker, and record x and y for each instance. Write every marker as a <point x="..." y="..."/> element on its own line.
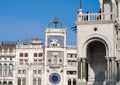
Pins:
<point x="97" y="65"/>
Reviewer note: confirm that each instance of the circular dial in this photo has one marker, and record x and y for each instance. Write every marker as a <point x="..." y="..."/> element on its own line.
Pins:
<point x="54" y="78"/>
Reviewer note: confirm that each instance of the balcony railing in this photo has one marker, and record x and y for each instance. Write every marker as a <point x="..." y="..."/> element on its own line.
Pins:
<point x="96" y="17"/>
<point x="7" y="53"/>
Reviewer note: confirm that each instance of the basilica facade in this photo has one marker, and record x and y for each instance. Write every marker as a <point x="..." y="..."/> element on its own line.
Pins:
<point x="98" y="45"/>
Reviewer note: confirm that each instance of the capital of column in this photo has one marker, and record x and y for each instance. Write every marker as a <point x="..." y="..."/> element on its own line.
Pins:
<point x="83" y="59"/>
<point x="107" y="58"/>
<point x="113" y="58"/>
<point x="79" y="59"/>
<point x="118" y="61"/>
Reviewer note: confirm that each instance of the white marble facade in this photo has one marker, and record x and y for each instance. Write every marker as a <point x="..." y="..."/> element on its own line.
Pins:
<point x="33" y="63"/>
<point x="94" y="61"/>
<point x="98" y="45"/>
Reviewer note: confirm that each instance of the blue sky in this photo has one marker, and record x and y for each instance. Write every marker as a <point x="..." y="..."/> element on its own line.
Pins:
<point x="26" y="19"/>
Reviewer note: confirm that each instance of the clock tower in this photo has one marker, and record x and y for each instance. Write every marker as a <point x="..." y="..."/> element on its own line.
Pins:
<point x="55" y="59"/>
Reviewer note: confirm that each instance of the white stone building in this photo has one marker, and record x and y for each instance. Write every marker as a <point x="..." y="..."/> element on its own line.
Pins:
<point x="98" y="45"/>
<point x="32" y="63"/>
<point x="94" y="61"/>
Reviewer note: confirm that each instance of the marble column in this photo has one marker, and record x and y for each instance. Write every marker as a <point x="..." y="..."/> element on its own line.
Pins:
<point x="113" y="68"/>
<point x="119" y="70"/>
<point x="83" y="68"/>
<point x="79" y="69"/>
<point x="108" y="68"/>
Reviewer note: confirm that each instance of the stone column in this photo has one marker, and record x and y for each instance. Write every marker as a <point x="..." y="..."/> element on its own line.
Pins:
<point x="119" y="9"/>
<point x="108" y="68"/>
<point x="83" y="68"/>
<point x="111" y="71"/>
<point x="113" y="68"/>
<point x="21" y="81"/>
<point x="119" y="71"/>
<point x="79" y="69"/>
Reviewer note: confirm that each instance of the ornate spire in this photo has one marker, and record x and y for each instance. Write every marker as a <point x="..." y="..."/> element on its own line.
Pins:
<point x="80" y="4"/>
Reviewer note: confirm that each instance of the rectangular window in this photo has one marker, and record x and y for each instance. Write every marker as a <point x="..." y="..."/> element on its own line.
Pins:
<point x="68" y="55"/>
<point x="74" y="55"/>
<point x="35" y="54"/>
<point x="21" y="61"/>
<point x="35" y="60"/>
<point x="26" y="54"/>
<point x="39" y="71"/>
<point x="21" y="54"/>
<point x="55" y="59"/>
<point x="19" y="71"/>
<point x="34" y="71"/>
<point x="40" y="54"/>
<point x="24" y="71"/>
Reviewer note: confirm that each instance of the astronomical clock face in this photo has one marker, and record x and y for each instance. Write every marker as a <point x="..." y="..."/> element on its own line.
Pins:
<point x="60" y="40"/>
<point x="54" y="78"/>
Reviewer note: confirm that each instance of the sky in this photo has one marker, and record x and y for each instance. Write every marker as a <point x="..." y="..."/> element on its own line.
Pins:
<point x="22" y="20"/>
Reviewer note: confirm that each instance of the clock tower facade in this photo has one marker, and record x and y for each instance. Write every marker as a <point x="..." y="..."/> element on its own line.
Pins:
<point x="55" y="56"/>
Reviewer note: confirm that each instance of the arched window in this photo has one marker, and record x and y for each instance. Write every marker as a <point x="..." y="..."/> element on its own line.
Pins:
<point x="24" y="81"/>
<point x="4" y="82"/>
<point x="0" y="69"/>
<point x="34" y="81"/>
<point x="0" y="83"/>
<point x="10" y="70"/>
<point x="19" y="81"/>
<point x="39" y="81"/>
<point x="74" y="82"/>
<point x="5" y="70"/>
<point x="10" y="83"/>
<point x="69" y="82"/>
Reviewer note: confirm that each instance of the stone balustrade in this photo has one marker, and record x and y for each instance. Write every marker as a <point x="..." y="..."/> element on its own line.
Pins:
<point x="96" y="17"/>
